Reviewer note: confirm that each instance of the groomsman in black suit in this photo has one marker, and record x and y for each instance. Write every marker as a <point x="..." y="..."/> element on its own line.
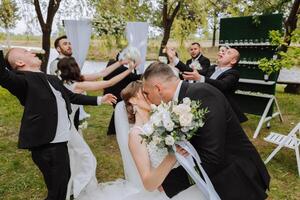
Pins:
<point x="222" y="76"/>
<point x="197" y="61"/>
<point x="117" y="88"/>
<point x="45" y="126"/>
<point x="228" y="157"/>
<point x="64" y="49"/>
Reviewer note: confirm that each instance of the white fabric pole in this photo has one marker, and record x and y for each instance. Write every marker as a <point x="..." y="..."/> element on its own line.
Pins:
<point x="137" y="36"/>
<point x="79" y="34"/>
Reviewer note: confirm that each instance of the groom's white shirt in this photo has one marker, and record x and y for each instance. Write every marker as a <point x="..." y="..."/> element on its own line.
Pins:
<point x="176" y="95"/>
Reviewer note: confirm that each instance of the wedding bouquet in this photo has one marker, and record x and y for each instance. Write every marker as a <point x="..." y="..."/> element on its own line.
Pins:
<point x="196" y="65"/>
<point x="130" y="53"/>
<point x="171" y="123"/>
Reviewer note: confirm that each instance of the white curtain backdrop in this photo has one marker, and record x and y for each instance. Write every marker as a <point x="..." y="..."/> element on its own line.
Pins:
<point x="137" y="36"/>
<point x="79" y="34"/>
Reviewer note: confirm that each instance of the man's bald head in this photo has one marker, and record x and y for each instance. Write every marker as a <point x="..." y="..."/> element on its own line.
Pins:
<point x="229" y="58"/>
<point x="21" y="59"/>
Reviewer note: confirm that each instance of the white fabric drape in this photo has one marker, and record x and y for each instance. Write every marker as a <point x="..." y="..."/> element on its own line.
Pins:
<point x="137" y="36"/>
<point x="79" y="34"/>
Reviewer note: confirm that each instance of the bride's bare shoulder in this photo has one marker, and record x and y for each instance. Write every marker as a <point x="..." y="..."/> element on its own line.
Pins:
<point x="134" y="135"/>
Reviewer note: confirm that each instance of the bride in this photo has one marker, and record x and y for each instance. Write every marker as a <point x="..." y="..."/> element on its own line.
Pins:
<point x="145" y="166"/>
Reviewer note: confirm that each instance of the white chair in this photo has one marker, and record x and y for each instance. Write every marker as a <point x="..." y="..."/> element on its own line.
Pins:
<point x="290" y="141"/>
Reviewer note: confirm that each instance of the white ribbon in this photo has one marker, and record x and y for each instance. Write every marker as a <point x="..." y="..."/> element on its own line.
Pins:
<point x="188" y="164"/>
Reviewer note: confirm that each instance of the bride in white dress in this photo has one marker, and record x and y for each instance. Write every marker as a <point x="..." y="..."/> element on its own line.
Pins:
<point x="145" y="166"/>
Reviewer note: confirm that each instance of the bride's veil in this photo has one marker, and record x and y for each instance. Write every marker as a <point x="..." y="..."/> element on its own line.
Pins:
<point x="122" y="130"/>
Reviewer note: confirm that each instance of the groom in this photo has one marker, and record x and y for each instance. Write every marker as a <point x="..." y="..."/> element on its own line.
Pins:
<point x="228" y="157"/>
<point x="46" y="125"/>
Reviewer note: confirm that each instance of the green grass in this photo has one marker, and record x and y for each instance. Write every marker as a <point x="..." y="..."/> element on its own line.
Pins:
<point x="20" y="178"/>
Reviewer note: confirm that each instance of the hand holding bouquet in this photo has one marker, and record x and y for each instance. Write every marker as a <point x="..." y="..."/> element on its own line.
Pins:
<point x="171" y="123"/>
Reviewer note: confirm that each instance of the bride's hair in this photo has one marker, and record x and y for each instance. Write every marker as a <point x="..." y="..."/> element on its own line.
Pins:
<point x="127" y="93"/>
<point x="69" y="70"/>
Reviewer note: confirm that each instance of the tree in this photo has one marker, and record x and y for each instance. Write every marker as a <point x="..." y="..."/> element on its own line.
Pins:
<point x="46" y="26"/>
<point x="109" y="24"/>
<point x="8" y="16"/>
<point x="287" y="56"/>
<point x="214" y="9"/>
<point x="169" y="11"/>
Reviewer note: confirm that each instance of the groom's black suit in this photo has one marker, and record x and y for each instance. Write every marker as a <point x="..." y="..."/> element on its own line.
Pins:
<point x="229" y="158"/>
<point x="39" y="124"/>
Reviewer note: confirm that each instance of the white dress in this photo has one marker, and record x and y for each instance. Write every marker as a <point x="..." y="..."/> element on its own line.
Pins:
<point x="82" y="161"/>
<point x="131" y="188"/>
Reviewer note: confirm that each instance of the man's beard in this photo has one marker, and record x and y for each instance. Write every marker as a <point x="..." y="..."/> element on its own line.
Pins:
<point x="196" y="56"/>
<point x="66" y="53"/>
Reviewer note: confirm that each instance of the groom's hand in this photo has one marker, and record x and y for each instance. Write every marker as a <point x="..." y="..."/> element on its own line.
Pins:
<point x="181" y="151"/>
<point x="109" y="99"/>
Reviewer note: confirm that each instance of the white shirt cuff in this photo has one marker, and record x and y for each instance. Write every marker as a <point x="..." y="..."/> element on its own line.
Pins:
<point x="99" y="100"/>
<point x="202" y="79"/>
<point x="176" y="61"/>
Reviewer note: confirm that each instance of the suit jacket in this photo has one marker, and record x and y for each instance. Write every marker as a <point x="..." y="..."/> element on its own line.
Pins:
<point x="227" y="83"/>
<point x="39" y="121"/>
<point x="117" y="88"/>
<point x="228" y="157"/>
<point x="204" y="62"/>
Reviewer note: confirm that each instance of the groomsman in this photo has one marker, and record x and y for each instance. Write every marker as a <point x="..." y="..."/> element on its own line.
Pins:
<point x="45" y="126"/>
<point x="197" y="61"/>
<point x="64" y="48"/>
<point x="222" y="76"/>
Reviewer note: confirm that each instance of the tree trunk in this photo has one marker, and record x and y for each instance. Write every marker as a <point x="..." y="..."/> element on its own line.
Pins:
<point x="290" y="25"/>
<point x="46" y="46"/>
<point x="8" y="38"/>
<point x="167" y="32"/>
<point x="214" y="31"/>
<point x="46" y="27"/>
<point x="167" y="23"/>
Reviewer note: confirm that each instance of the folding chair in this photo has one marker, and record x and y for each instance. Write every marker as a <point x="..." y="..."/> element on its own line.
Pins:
<point x="290" y="141"/>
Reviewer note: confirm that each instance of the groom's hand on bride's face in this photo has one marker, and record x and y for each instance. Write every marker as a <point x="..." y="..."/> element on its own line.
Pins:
<point x="109" y="99"/>
<point x="181" y="151"/>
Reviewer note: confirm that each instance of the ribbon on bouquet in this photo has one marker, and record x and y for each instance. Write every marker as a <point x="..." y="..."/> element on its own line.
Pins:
<point x="204" y="184"/>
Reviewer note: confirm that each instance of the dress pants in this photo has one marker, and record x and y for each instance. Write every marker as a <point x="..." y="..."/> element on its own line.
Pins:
<point x="53" y="161"/>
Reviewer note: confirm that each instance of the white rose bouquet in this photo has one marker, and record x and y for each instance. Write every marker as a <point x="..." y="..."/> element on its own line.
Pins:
<point x="130" y="53"/>
<point x="171" y="123"/>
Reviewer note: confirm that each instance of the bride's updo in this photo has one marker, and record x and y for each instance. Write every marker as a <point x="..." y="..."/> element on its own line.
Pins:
<point x="127" y="93"/>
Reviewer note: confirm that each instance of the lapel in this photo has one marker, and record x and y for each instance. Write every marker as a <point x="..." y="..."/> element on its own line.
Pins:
<point x="200" y="58"/>
<point x="211" y="70"/>
<point x="183" y="90"/>
<point x="55" y="82"/>
<point x="222" y="74"/>
<point x="43" y="78"/>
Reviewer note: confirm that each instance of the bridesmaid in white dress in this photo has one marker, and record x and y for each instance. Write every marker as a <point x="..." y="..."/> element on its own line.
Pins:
<point x="82" y="161"/>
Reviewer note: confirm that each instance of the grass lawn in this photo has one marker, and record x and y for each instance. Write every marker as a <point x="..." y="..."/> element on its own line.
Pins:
<point x="20" y="178"/>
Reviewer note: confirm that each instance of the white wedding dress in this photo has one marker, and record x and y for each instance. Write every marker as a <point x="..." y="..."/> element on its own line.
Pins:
<point x="132" y="188"/>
